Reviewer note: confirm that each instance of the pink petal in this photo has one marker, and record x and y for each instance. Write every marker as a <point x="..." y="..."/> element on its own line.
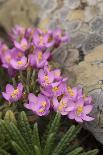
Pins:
<point x="13" y="63"/>
<point x="78" y="119"/>
<point x="87" y="109"/>
<point x="41" y="74"/>
<point x="30" y="106"/>
<point x="9" y="88"/>
<point x="51" y="76"/>
<point x="64" y="112"/>
<point x="71" y="115"/>
<point x="17" y="45"/>
<point x="87" y="118"/>
<point x="32" y="98"/>
<point x="46" y="55"/>
<point x="70" y="109"/>
<point x="20" y="87"/>
<point x="55" y="103"/>
<point x="6" y="96"/>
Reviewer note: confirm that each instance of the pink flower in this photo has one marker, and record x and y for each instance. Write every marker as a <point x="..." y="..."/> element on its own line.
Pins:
<point x="57" y="74"/>
<point x="19" y="64"/>
<point x="81" y="111"/>
<point x="75" y="93"/>
<point x="55" y="89"/>
<point x="45" y="78"/>
<point x="63" y="105"/>
<point x="60" y="36"/>
<point x="40" y="104"/>
<point x="17" y="32"/>
<point x="43" y="40"/>
<point x="12" y="94"/>
<point x="23" y="45"/>
<point x="39" y="59"/>
<point x="8" y="54"/>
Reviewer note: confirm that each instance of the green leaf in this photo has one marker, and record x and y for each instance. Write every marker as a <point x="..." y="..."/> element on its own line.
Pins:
<point x="3" y="152"/>
<point x="15" y="135"/>
<point x="36" y="139"/>
<point x="37" y="150"/>
<point x="9" y="117"/>
<point x="92" y="152"/>
<point x="55" y="124"/>
<point x="63" y="142"/>
<point x="4" y="131"/>
<point x="76" y="151"/>
<point x="17" y="148"/>
<point x="52" y="129"/>
<point x="48" y="144"/>
<point x="26" y="131"/>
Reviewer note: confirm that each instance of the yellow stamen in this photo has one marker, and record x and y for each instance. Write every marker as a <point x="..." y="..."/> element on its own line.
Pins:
<point x="43" y="103"/>
<point x="15" y="92"/>
<point x="20" y="62"/>
<point x="41" y="40"/>
<point x="61" y="106"/>
<point x="55" y="89"/>
<point x="8" y="58"/>
<point x="79" y="110"/>
<point x="40" y="55"/>
<point x="70" y="91"/>
<point x="41" y="110"/>
<point x="46" y="79"/>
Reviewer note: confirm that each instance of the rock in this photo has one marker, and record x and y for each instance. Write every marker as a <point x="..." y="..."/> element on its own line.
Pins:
<point x="73" y="4"/>
<point x="90" y="13"/>
<point x="96" y="24"/>
<point x="21" y="12"/>
<point x="92" y="41"/>
<point x="92" y="2"/>
<point x="73" y="26"/>
<point x="100" y="7"/>
<point x="76" y="15"/>
<point x="78" y="38"/>
<point x="96" y="126"/>
<point x="66" y="57"/>
<point x="90" y="71"/>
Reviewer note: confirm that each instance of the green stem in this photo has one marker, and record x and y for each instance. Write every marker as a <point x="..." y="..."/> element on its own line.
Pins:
<point x="28" y="79"/>
<point x="14" y="81"/>
<point x="33" y="79"/>
<point x="21" y="77"/>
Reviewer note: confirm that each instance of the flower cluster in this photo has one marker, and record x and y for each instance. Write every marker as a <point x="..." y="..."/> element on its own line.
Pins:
<point x="46" y="89"/>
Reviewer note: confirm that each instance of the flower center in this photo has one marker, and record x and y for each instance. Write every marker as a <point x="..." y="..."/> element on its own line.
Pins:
<point x="15" y="92"/>
<point x="20" y="62"/>
<point x="62" y="105"/>
<point x="40" y="55"/>
<point x="43" y="103"/>
<point x="70" y="91"/>
<point x="46" y="79"/>
<point x="55" y="89"/>
<point x="79" y="110"/>
<point x="41" y="110"/>
<point x="8" y="58"/>
<point x="20" y="54"/>
<point x="41" y="40"/>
